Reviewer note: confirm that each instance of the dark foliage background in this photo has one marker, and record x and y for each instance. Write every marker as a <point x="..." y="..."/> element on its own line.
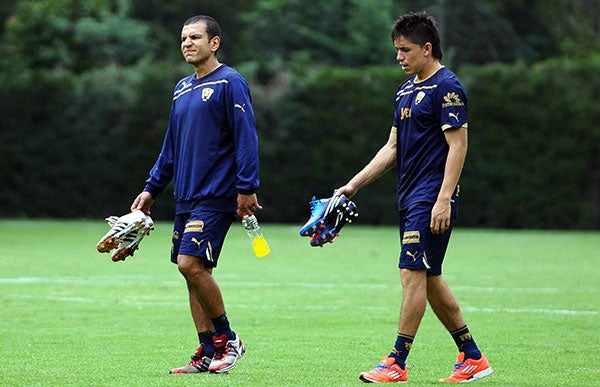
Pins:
<point x="85" y="92"/>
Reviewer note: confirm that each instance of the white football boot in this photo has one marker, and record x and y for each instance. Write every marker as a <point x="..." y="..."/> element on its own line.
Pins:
<point x="125" y="234"/>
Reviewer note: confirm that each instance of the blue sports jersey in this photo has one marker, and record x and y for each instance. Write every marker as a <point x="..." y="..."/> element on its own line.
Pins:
<point x="210" y="148"/>
<point x="423" y="111"/>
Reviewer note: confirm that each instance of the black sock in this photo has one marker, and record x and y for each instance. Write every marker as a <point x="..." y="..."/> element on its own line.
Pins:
<point x="402" y="348"/>
<point x="206" y="341"/>
<point x="221" y="325"/>
<point x="465" y="343"/>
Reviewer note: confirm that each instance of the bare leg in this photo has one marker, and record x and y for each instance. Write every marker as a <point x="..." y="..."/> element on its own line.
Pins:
<point x="472" y="363"/>
<point x="414" y="300"/>
<point x="201" y="290"/>
<point x="203" y="286"/>
<point x="444" y="303"/>
<point x="201" y="319"/>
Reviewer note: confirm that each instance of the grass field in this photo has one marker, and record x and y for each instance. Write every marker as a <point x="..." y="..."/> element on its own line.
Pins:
<point x="308" y="316"/>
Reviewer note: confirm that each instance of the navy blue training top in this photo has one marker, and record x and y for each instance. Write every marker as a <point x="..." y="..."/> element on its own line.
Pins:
<point x="424" y="110"/>
<point x="210" y="148"/>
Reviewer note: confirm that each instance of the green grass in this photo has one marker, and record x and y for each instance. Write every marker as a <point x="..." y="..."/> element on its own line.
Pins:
<point x="308" y="316"/>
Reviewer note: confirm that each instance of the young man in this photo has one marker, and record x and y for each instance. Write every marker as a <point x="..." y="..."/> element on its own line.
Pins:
<point x="428" y="145"/>
<point x="210" y="150"/>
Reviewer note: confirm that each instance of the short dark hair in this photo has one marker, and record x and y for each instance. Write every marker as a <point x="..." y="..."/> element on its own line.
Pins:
<point x="212" y="27"/>
<point x="419" y="28"/>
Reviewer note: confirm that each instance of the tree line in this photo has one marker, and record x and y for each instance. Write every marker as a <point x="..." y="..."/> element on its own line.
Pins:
<point x="85" y="92"/>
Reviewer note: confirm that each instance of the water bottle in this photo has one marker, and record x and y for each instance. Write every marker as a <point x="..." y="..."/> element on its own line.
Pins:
<point x="259" y="243"/>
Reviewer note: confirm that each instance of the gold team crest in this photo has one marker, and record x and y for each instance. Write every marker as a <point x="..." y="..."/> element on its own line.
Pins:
<point x="452" y="99"/>
<point x="207" y="92"/>
<point x="419" y="98"/>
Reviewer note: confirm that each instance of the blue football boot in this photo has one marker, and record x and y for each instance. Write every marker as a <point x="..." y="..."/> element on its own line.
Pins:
<point x="338" y="213"/>
<point x="323" y="237"/>
<point x="316" y="221"/>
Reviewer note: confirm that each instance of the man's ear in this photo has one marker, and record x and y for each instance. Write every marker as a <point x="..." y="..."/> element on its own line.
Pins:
<point x="215" y="43"/>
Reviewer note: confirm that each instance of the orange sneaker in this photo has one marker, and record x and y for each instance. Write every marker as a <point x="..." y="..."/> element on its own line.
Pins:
<point x="387" y="371"/>
<point x="468" y="370"/>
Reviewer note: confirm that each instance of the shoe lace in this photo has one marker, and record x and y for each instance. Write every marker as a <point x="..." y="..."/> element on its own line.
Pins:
<point x="314" y="205"/>
<point x="380" y="367"/>
<point x="459" y="365"/>
<point x="197" y="357"/>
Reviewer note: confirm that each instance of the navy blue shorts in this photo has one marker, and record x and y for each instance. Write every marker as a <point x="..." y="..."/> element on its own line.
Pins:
<point x="420" y="248"/>
<point x="201" y="234"/>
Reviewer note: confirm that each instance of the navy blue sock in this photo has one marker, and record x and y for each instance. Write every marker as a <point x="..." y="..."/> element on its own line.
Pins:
<point x="206" y="341"/>
<point x="221" y="325"/>
<point x="465" y="343"/>
<point x="402" y="348"/>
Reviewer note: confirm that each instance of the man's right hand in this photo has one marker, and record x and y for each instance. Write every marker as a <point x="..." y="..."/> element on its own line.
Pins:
<point x="347" y="190"/>
<point x="143" y="202"/>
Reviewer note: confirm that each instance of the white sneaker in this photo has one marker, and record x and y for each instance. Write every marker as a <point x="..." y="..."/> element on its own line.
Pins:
<point x="227" y="353"/>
